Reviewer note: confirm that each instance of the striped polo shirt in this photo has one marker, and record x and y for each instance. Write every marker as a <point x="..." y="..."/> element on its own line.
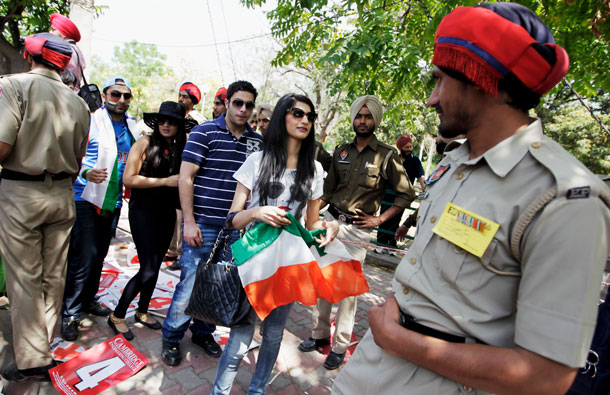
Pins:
<point x="218" y="154"/>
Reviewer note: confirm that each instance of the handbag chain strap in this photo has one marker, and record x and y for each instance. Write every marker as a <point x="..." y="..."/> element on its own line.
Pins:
<point x="224" y="252"/>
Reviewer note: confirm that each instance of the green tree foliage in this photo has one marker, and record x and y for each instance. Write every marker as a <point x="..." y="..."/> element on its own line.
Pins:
<point x="19" y="19"/>
<point x="575" y="130"/>
<point x="144" y="66"/>
<point x="384" y="47"/>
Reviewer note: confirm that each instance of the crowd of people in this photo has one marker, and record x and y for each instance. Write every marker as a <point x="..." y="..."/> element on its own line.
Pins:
<point x="495" y="294"/>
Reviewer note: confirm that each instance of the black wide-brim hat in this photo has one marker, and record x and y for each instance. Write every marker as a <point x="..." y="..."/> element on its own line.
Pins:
<point x="169" y="109"/>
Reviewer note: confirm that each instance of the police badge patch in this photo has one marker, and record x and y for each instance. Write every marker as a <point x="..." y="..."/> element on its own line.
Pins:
<point x="343" y="155"/>
<point x="438" y="173"/>
<point x="579" y="193"/>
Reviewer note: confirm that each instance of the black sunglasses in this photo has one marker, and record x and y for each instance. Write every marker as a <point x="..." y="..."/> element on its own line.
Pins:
<point x="161" y="119"/>
<point x="298" y="113"/>
<point x="219" y="103"/>
<point x="239" y="103"/>
<point x="117" y="95"/>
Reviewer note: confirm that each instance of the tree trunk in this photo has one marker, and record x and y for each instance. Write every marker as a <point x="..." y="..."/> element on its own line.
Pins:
<point x="11" y="59"/>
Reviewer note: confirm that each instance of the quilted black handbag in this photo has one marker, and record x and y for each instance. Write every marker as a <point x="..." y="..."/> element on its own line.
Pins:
<point x="218" y="296"/>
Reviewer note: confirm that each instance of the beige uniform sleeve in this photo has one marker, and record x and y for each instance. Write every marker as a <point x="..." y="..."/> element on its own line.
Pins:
<point x="10" y="113"/>
<point x="563" y="253"/>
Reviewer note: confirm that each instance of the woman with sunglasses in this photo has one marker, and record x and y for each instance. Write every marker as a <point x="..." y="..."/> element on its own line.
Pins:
<point x="282" y="177"/>
<point x="152" y="174"/>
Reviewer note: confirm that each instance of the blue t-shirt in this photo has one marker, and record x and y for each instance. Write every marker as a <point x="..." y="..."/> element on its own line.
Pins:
<point x="218" y="154"/>
<point x="124" y="142"/>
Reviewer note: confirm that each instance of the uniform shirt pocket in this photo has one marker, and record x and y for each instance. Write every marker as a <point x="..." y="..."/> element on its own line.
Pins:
<point x="369" y="178"/>
<point x="475" y="273"/>
<point x="343" y="174"/>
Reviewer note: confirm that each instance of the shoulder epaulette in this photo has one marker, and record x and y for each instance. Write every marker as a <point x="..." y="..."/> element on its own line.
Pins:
<point x="572" y="181"/>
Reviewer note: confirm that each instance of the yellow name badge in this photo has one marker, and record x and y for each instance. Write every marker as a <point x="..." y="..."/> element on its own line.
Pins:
<point x="465" y="229"/>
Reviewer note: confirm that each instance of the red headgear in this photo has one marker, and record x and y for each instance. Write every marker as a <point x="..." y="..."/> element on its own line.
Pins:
<point x="48" y="49"/>
<point x="221" y="94"/>
<point x="192" y="90"/>
<point x="65" y="26"/>
<point x="402" y="141"/>
<point x="488" y="42"/>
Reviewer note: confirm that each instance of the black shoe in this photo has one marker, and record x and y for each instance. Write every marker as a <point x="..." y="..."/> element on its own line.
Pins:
<point x="12" y="373"/>
<point x="208" y="344"/>
<point x="170" y="258"/>
<point x="96" y="308"/>
<point x="127" y="335"/>
<point x="69" y="329"/>
<point x="174" y="266"/>
<point x="311" y="344"/>
<point x="334" y="360"/>
<point x="170" y="354"/>
<point x="141" y="318"/>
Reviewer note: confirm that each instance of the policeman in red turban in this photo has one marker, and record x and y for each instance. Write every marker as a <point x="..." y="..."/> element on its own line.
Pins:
<point x="43" y="137"/>
<point x="190" y="95"/>
<point x="63" y="27"/>
<point x="220" y="106"/>
<point x="498" y="292"/>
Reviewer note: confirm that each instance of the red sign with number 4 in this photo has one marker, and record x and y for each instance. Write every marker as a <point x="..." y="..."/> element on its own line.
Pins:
<point x="98" y="368"/>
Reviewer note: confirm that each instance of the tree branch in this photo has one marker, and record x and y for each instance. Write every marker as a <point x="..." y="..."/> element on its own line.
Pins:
<point x="15" y="35"/>
<point x="17" y="10"/>
<point x="599" y="121"/>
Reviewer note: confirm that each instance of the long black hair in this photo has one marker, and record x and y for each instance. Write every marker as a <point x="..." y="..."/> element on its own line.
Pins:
<point x="273" y="163"/>
<point x="162" y="159"/>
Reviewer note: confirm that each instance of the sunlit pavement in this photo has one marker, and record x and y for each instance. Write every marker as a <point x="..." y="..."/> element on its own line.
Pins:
<point x="294" y="373"/>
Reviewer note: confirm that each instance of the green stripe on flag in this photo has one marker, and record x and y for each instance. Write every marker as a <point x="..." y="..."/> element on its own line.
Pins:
<point x="263" y="235"/>
<point x="112" y="191"/>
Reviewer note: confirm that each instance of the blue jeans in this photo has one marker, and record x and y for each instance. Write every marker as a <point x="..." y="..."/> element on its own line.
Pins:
<point x="89" y="243"/>
<point x="237" y="347"/>
<point x="176" y="323"/>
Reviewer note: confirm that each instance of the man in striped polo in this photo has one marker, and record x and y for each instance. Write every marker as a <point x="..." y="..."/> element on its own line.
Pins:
<point x="214" y="151"/>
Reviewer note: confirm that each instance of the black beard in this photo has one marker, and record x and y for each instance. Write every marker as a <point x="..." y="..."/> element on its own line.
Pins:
<point x="364" y="134"/>
<point x="458" y="126"/>
<point x="450" y="133"/>
<point x="405" y="155"/>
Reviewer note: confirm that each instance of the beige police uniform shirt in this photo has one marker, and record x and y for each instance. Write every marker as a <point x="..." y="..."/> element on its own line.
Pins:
<point x="196" y="116"/>
<point x="48" y="133"/>
<point x="355" y="178"/>
<point x="549" y="304"/>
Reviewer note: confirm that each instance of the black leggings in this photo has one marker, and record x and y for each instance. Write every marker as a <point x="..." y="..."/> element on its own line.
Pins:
<point x="152" y="229"/>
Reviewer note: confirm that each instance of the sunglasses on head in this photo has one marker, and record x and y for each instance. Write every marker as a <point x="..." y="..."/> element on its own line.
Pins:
<point x="239" y="103"/>
<point x="117" y="95"/>
<point x="298" y="113"/>
<point x="171" y="121"/>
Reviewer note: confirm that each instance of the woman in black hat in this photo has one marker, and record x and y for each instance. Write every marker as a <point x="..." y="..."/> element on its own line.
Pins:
<point x="152" y="173"/>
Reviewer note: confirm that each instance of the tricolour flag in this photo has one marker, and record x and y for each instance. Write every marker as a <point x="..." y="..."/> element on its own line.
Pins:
<point x="278" y="266"/>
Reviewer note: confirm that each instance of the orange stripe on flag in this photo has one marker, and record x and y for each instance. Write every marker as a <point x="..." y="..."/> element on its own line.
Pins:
<point x="306" y="283"/>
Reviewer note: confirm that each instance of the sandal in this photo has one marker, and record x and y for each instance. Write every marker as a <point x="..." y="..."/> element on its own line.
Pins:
<point x="113" y="322"/>
<point x="142" y="318"/>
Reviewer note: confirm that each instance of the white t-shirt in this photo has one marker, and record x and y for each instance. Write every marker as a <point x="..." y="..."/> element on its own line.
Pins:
<point x="279" y="196"/>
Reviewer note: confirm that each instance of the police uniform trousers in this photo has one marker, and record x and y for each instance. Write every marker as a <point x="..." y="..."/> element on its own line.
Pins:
<point x="346" y="309"/>
<point x="35" y="222"/>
